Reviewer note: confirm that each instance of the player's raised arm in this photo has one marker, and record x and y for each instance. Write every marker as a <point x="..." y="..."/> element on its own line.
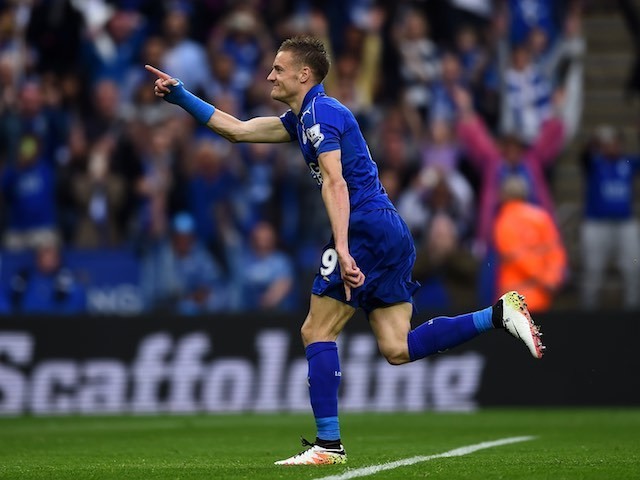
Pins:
<point x="255" y="130"/>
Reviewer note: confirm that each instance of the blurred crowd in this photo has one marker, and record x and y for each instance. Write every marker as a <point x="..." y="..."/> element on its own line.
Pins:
<point x="466" y="105"/>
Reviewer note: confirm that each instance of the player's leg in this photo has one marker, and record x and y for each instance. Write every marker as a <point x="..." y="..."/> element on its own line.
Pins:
<point x="326" y="319"/>
<point x="399" y="344"/>
<point x="391" y="326"/>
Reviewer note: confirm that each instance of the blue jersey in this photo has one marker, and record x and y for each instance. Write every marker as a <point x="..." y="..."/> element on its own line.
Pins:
<point x="324" y="125"/>
<point x="379" y="240"/>
<point x="609" y="192"/>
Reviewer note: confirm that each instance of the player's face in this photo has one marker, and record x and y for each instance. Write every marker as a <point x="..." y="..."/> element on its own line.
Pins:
<point x="285" y="77"/>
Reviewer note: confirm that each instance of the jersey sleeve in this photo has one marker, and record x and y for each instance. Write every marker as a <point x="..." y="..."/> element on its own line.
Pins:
<point x="323" y="127"/>
<point x="289" y="121"/>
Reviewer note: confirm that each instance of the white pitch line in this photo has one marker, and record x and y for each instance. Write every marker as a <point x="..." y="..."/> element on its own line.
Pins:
<point x="457" y="452"/>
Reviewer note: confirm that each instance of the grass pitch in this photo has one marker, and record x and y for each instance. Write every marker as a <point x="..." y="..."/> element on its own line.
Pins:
<point x="569" y="444"/>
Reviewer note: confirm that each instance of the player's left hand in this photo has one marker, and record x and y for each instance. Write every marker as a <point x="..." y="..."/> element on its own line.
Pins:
<point x="352" y="276"/>
<point x="163" y="83"/>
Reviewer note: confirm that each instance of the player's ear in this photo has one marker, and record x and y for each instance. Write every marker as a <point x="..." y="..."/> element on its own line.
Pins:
<point x="305" y="74"/>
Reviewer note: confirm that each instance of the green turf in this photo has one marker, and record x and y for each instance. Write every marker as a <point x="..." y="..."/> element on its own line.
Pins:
<point x="570" y="444"/>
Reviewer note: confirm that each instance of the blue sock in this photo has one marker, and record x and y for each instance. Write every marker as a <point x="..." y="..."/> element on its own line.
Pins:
<point x="443" y="333"/>
<point x="482" y="319"/>
<point x="324" y="380"/>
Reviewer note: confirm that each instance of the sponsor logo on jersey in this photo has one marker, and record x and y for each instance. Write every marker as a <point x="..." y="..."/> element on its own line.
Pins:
<point x="316" y="173"/>
<point x="314" y="135"/>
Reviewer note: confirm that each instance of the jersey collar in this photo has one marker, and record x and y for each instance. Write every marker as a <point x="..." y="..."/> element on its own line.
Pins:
<point x="316" y="91"/>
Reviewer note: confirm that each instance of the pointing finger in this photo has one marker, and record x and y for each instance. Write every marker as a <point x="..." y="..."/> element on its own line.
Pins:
<point x="159" y="73"/>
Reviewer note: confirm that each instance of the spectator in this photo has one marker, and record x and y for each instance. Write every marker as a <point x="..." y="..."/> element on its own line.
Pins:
<point x="443" y="262"/>
<point x="265" y="273"/>
<point x="12" y="42"/>
<point x="527" y="96"/>
<point x="512" y="156"/>
<point x="255" y="200"/>
<point x="181" y="274"/>
<point x="152" y="53"/>
<point x="223" y="84"/>
<point x="442" y="91"/>
<point x="210" y="186"/>
<point x="609" y="228"/>
<point x="473" y="58"/>
<point x="143" y="111"/>
<point x="434" y="192"/>
<point x="356" y="77"/>
<point x="440" y="199"/>
<point x="531" y="257"/>
<point x="49" y="287"/>
<point x="529" y="14"/>
<point x="398" y="66"/>
<point x="562" y="64"/>
<point x="109" y="52"/>
<point x="99" y="196"/>
<point x="242" y="36"/>
<point x="32" y="117"/>
<point x="570" y="72"/>
<point x="75" y="164"/>
<point x="441" y="149"/>
<point x="349" y="91"/>
<point x="105" y="114"/>
<point x="154" y="186"/>
<point x="419" y="60"/>
<point x="184" y="56"/>
<point x="28" y="188"/>
<point x="394" y="142"/>
<point x="442" y="152"/>
<point x="104" y="124"/>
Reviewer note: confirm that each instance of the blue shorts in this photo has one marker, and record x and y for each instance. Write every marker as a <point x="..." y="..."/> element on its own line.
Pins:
<point x="383" y="249"/>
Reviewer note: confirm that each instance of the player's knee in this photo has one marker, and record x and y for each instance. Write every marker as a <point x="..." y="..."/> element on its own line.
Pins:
<point x="395" y="354"/>
<point x="312" y="332"/>
<point x="306" y="332"/>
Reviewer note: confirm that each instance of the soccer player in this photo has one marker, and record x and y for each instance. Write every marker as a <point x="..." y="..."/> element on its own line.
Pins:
<point x="368" y="262"/>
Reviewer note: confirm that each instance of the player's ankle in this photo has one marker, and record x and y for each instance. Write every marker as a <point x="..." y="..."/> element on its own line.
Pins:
<point x="497" y="314"/>
<point x="334" y="444"/>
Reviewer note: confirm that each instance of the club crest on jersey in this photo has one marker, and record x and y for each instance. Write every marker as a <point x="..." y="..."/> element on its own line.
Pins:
<point x="314" y="135"/>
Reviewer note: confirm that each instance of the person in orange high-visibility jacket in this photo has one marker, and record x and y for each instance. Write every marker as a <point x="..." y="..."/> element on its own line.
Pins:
<point x="531" y="256"/>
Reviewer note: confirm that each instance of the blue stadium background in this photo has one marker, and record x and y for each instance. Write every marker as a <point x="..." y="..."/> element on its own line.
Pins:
<point x="150" y="212"/>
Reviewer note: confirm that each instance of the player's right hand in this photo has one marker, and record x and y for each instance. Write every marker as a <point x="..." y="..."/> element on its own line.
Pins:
<point x="352" y="276"/>
<point x="163" y="82"/>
